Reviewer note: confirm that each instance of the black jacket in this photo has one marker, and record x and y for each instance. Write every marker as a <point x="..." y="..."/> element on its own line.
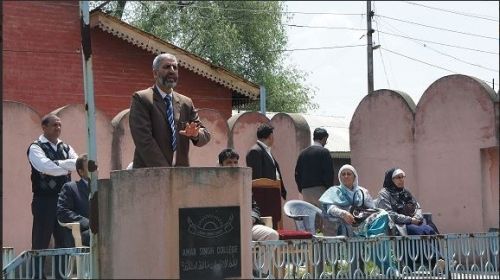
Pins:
<point x="263" y="166"/>
<point x="73" y="204"/>
<point x="314" y="168"/>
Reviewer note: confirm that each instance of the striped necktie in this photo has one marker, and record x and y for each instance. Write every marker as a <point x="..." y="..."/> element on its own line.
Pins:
<point x="170" y="119"/>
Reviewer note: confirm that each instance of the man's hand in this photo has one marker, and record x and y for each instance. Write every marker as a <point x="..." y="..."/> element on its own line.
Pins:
<point x="191" y="130"/>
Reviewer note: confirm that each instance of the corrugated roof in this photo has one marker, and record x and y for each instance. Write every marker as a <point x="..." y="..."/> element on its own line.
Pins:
<point x="337" y="127"/>
<point x="338" y="130"/>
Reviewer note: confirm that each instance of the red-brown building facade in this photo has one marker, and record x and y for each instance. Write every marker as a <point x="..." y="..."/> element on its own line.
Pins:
<point x="42" y="62"/>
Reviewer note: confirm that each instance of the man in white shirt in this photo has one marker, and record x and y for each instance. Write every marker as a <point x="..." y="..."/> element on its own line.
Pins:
<point x="52" y="162"/>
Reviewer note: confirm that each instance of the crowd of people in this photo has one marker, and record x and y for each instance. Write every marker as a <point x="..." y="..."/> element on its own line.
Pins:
<point x="163" y="123"/>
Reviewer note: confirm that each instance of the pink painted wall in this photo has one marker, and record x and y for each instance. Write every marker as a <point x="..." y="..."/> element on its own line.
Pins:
<point x="219" y="131"/>
<point x="381" y="132"/>
<point x="138" y="223"/>
<point x="115" y="151"/>
<point x="21" y="126"/>
<point x="439" y="146"/>
<point x="454" y="119"/>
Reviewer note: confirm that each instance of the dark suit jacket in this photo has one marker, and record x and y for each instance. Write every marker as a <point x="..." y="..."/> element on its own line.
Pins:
<point x="152" y="133"/>
<point x="314" y="168"/>
<point x="263" y="166"/>
<point x="73" y="206"/>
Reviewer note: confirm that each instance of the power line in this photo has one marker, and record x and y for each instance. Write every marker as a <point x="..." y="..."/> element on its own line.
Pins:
<point x="264" y="11"/>
<point x="325" y="27"/>
<point x="448" y="55"/>
<point x="439" y="28"/>
<point x="426" y="63"/>
<point x="437" y="43"/>
<point x="380" y="52"/>
<point x="319" y="48"/>
<point x="451" y="11"/>
<point x="392" y="34"/>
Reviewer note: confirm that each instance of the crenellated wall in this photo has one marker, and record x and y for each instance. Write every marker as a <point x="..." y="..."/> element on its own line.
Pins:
<point x="447" y="144"/>
<point x="115" y="150"/>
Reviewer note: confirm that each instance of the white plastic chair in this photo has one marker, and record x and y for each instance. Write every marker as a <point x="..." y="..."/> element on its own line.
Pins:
<point x="303" y="214"/>
<point x="77" y="236"/>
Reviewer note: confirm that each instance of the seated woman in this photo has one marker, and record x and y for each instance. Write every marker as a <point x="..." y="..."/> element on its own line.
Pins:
<point x="405" y="210"/>
<point x="338" y="202"/>
<point x="402" y="206"/>
<point x="353" y="206"/>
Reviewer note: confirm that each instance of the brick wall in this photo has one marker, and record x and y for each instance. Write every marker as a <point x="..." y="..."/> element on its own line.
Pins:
<point x="42" y="63"/>
<point x="121" y="68"/>
<point x="41" y="58"/>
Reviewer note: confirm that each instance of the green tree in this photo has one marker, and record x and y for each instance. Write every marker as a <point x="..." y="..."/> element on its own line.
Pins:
<point x="246" y="37"/>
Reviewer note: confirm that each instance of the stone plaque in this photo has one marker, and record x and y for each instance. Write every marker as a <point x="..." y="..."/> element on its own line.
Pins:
<point x="209" y="242"/>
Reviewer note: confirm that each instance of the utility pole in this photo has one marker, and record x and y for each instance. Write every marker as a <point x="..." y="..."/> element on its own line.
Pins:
<point x="369" y="45"/>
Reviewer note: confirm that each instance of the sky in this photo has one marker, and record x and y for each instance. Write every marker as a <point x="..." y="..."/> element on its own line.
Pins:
<point x="339" y="75"/>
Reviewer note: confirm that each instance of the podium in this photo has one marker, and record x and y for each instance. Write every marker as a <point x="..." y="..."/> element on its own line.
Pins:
<point x="176" y="223"/>
<point x="267" y="194"/>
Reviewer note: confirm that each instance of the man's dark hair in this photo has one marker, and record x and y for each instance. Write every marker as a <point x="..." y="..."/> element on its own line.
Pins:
<point x="320" y="133"/>
<point x="46" y="119"/>
<point x="264" y="130"/>
<point x="228" y="153"/>
<point x="80" y="161"/>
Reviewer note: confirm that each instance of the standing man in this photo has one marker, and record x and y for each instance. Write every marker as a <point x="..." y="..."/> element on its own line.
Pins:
<point x="52" y="162"/>
<point x="162" y="121"/>
<point x="260" y="159"/>
<point x="73" y="203"/>
<point x="314" y="169"/>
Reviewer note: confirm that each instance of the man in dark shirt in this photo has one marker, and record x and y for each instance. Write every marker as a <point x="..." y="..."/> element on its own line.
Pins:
<point x="314" y="169"/>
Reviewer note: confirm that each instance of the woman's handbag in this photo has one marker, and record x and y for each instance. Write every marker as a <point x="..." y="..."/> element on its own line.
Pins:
<point x="358" y="210"/>
<point x="407" y="205"/>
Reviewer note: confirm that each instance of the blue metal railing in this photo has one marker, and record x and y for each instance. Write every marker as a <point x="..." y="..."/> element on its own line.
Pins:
<point x="445" y="256"/>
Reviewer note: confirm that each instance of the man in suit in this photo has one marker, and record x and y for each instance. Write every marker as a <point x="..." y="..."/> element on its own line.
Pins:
<point x="260" y="159"/>
<point x="314" y="168"/>
<point x="73" y="202"/>
<point x="162" y="121"/>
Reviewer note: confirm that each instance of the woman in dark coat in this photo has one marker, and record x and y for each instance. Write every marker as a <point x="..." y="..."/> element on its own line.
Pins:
<point x="404" y="210"/>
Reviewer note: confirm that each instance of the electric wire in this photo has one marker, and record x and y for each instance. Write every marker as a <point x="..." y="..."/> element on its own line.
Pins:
<point x="380" y="52"/>
<point x="445" y="54"/>
<point x="451" y="11"/>
<point x="438" y="28"/>
<point x="426" y="63"/>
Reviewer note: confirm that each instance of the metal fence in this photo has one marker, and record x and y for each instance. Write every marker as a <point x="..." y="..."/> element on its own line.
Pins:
<point x="62" y="263"/>
<point x="448" y="256"/>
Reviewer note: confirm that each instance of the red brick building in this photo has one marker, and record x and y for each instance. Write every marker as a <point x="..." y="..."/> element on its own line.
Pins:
<point x="42" y="62"/>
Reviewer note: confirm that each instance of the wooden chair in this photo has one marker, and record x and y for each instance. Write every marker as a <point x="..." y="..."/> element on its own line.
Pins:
<point x="267" y="194"/>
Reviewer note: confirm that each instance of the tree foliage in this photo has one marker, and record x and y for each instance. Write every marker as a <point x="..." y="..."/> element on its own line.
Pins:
<point x="246" y="37"/>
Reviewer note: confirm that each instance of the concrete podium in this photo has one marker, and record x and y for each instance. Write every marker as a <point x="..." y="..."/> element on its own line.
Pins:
<point x="176" y="223"/>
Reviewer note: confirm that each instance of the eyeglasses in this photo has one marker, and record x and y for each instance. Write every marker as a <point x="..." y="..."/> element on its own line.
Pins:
<point x="399" y="177"/>
<point x="346" y="174"/>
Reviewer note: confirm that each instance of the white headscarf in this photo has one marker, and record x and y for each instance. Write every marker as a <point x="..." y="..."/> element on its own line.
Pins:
<point x="351" y="168"/>
<point x="397" y="172"/>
